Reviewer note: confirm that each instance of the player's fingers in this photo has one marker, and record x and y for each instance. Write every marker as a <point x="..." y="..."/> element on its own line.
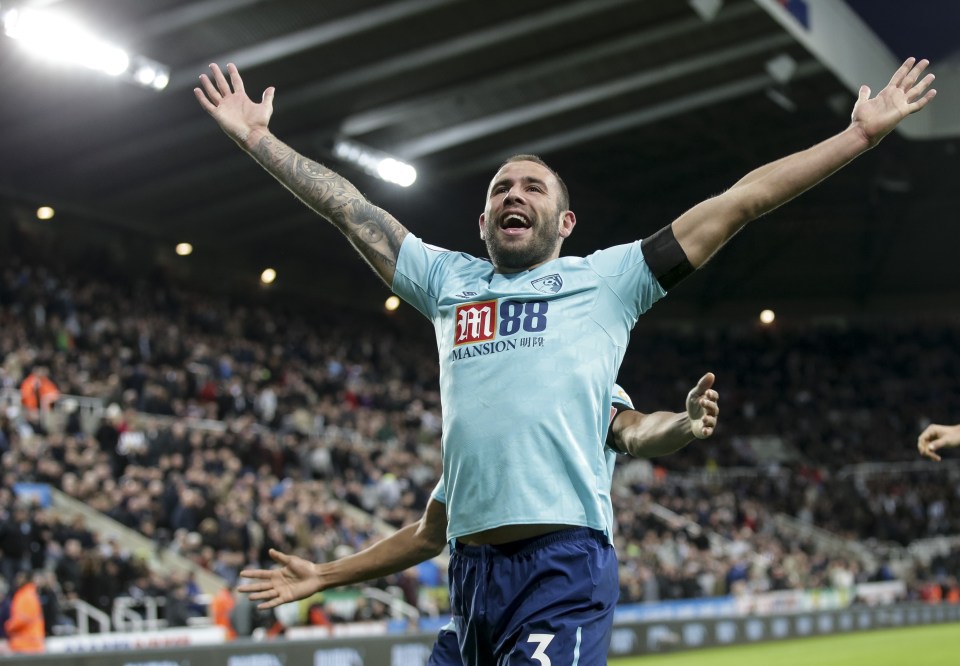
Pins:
<point x="204" y="102"/>
<point x="902" y="72"/>
<point x="252" y="587"/>
<point x="930" y="434"/>
<point x="914" y="74"/>
<point x="268" y="98"/>
<point x="265" y="594"/>
<point x="235" y="79"/>
<point x="255" y="573"/>
<point x="211" y="90"/>
<point x="705" y="383"/>
<point x="916" y="91"/>
<point x="923" y="101"/>
<point x="927" y="449"/>
<point x="277" y="556"/>
<point x="220" y="79"/>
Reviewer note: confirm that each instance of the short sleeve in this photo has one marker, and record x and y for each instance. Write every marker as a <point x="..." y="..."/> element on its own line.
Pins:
<point x="625" y="271"/>
<point x="439" y="494"/>
<point x="620" y="399"/>
<point x="417" y="276"/>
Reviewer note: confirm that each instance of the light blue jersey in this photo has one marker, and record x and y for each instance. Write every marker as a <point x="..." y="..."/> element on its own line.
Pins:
<point x="620" y="401"/>
<point x="527" y="362"/>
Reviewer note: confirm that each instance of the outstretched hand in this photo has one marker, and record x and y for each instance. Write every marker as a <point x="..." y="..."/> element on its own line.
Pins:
<point x="296" y="580"/>
<point x="234" y="111"/>
<point x="936" y="437"/>
<point x="702" y="407"/>
<point x="906" y="93"/>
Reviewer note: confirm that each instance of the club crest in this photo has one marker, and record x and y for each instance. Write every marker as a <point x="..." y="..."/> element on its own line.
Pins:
<point x="549" y="284"/>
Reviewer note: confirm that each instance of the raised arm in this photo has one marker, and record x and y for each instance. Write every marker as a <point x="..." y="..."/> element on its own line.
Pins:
<point x="299" y="578"/>
<point x="372" y="231"/>
<point x="657" y="434"/>
<point x="706" y="227"/>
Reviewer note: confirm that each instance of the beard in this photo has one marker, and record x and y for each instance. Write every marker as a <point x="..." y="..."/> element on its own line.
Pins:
<point x="518" y="256"/>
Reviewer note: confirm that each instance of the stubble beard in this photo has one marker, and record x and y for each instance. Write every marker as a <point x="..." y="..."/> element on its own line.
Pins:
<point x="520" y="256"/>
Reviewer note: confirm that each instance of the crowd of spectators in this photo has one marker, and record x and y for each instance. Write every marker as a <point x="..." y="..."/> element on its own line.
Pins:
<point x="231" y="429"/>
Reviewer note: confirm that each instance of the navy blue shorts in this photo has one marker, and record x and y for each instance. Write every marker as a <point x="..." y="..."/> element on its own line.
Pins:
<point x="446" y="651"/>
<point x="545" y="601"/>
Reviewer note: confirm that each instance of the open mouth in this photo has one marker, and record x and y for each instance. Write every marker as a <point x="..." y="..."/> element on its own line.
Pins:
<point x="514" y="223"/>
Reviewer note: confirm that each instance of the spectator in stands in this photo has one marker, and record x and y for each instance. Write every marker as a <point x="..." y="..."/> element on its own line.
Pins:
<point x="68" y="569"/>
<point x="936" y="437"/>
<point x="37" y="395"/>
<point x="25" y="628"/>
<point x="368" y="403"/>
<point x="176" y="608"/>
<point x="6" y="597"/>
<point x="221" y="607"/>
<point x="48" y="593"/>
<point x="18" y="535"/>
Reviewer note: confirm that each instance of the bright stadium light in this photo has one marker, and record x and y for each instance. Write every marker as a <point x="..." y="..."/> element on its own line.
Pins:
<point x="56" y="37"/>
<point x="184" y="249"/>
<point x="392" y="303"/>
<point x="376" y="163"/>
<point x="45" y="213"/>
<point x="268" y="276"/>
<point x="767" y="317"/>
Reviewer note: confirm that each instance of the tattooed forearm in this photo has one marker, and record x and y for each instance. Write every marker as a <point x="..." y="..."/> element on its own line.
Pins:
<point x="374" y="232"/>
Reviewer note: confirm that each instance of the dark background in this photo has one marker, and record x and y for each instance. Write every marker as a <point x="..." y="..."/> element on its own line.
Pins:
<point x="642" y="106"/>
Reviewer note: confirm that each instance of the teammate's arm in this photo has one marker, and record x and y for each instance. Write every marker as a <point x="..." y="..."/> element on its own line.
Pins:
<point x="657" y="434"/>
<point x="706" y="227"/>
<point x="372" y="231"/>
<point x="299" y="578"/>
<point x="936" y="437"/>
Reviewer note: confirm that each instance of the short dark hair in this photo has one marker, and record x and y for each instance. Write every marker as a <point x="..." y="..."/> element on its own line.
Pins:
<point x="525" y="157"/>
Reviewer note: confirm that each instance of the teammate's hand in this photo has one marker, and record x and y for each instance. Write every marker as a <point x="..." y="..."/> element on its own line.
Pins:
<point x="702" y="407"/>
<point x="296" y="580"/>
<point x="239" y="116"/>
<point x="936" y="437"/>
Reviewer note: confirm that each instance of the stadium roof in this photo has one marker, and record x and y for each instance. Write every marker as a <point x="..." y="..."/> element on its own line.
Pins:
<point x="644" y="107"/>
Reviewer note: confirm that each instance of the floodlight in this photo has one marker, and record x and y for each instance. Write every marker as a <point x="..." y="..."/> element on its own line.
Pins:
<point x="376" y="162"/>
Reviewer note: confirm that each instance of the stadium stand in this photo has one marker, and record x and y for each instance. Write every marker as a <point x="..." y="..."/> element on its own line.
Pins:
<point x="217" y="430"/>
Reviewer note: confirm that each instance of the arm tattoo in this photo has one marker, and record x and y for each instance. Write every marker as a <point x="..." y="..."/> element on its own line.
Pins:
<point x="371" y="230"/>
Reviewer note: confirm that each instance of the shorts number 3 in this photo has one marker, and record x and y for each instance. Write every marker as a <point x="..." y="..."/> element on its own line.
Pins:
<point x="542" y="640"/>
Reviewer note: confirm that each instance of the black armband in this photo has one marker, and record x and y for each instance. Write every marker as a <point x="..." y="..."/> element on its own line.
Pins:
<point x="666" y="258"/>
<point x="618" y="409"/>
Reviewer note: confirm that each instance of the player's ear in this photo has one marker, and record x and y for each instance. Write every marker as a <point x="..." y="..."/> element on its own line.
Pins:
<point x="567" y="222"/>
<point x="483" y="217"/>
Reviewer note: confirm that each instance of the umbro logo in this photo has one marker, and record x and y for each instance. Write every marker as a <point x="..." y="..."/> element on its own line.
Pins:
<point x="466" y="294"/>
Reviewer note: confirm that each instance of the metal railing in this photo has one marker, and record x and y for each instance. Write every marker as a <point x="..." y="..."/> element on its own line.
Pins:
<point x="398" y="607"/>
<point x="86" y="612"/>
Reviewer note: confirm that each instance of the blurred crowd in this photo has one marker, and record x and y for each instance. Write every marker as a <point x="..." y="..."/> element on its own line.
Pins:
<point x="230" y="429"/>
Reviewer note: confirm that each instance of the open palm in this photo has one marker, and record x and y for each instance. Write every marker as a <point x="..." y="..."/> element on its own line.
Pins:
<point x="228" y="103"/>
<point x="906" y="93"/>
<point x="296" y="580"/>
